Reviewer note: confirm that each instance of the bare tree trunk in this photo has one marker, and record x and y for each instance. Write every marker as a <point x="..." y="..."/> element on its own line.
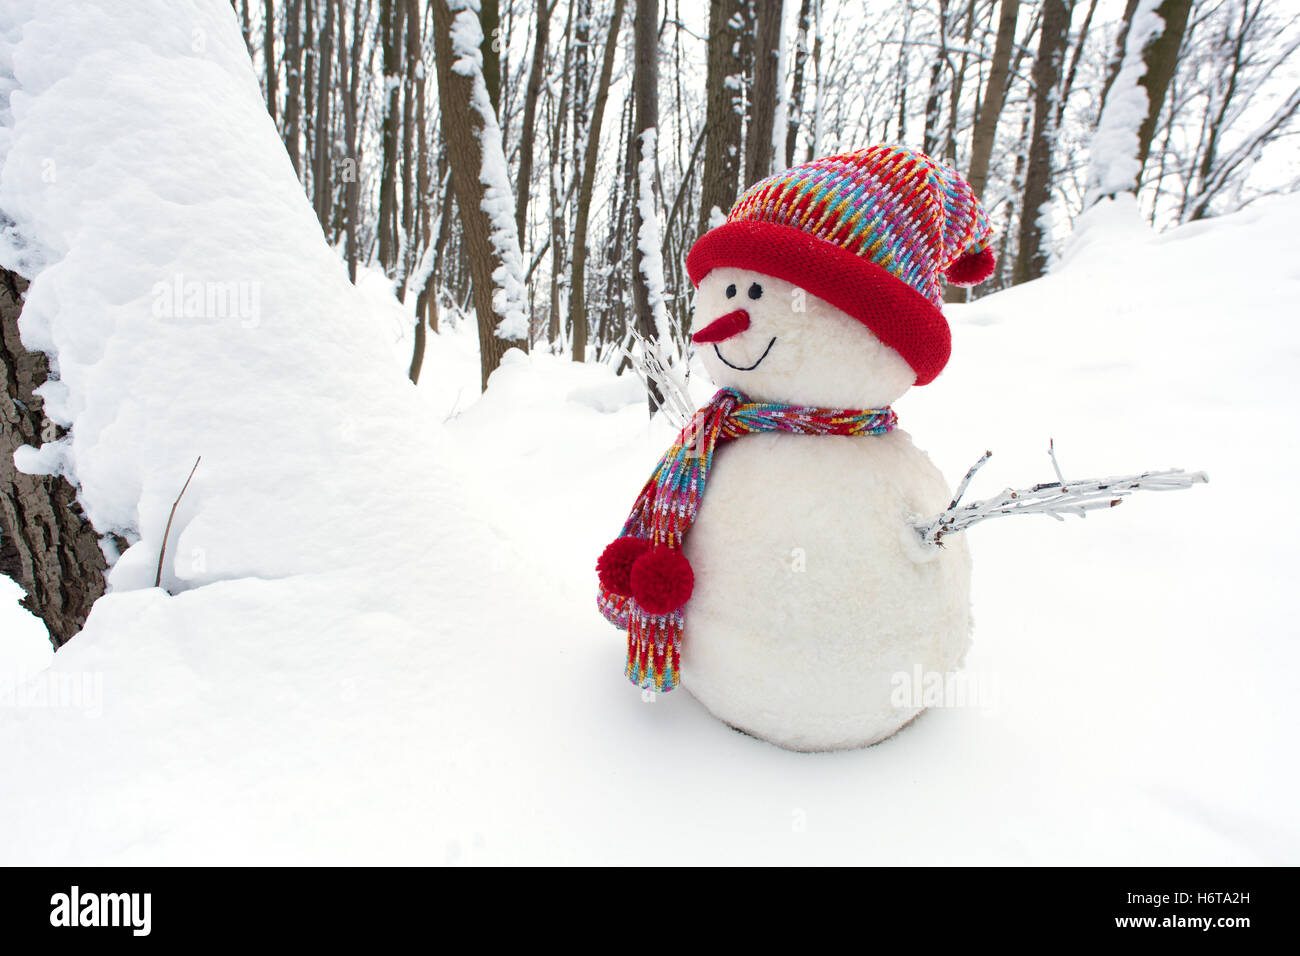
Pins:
<point x="1031" y="259"/>
<point x="954" y="94"/>
<point x="308" y="92"/>
<point x="349" y="63"/>
<point x="46" y="544"/>
<point x="758" y="139"/>
<point x="293" y="82"/>
<point x="410" y="199"/>
<point x="536" y="74"/>
<point x="490" y="17"/>
<point x="933" y="99"/>
<point x="463" y="126"/>
<point x="1079" y="44"/>
<point x="796" y="93"/>
<point x="819" y="96"/>
<point x="645" y="82"/>
<point x="555" y="177"/>
<point x="321" y="164"/>
<point x="268" y="57"/>
<point x="390" y="37"/>
<point x="578" y="269"/>
<point x="986" y="124"/>
<point x="423" y="185"/>
<point x="723" y="118"/>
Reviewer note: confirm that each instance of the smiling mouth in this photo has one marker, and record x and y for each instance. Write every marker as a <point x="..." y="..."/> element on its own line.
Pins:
<point x="745" y="368"/>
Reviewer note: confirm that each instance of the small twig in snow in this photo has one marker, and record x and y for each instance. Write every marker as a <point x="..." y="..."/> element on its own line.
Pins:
<point x="157" y="579"/>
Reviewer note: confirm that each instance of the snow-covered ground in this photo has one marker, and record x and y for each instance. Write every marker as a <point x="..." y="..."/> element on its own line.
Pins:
<point x="381" y="641"/>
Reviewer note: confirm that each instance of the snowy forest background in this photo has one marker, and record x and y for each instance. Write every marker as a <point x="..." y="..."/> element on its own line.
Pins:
<point x="378" y="105"/>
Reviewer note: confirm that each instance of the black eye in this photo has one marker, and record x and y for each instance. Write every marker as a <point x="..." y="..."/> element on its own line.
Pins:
<point x="755" y="291"/>
<point x="731" y="291"/>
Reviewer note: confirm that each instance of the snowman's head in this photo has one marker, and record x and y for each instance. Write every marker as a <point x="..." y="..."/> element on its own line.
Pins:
<point x="824" y="286"/>
<point x="776" y="342"/>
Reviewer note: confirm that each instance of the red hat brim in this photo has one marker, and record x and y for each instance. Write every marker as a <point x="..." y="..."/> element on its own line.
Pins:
<point x="897" y="314"/>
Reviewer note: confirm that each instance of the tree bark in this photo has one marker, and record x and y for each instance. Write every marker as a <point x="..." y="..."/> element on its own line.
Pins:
<point x="536" y="73"/>
<point x="268" y="58"/>
<point x="390" y="37"/>
<point x="954" y="94"/>
<point x="555" y="181"/>
<point x="410" y="198"/>
<point x="578" y="268"/>
<point x="323" y="197"/>
<point x="723" y="117"/>
<point x="293" y="82"/>
<point x="490" y="17"/>
<point x="762" y="104"/>
<point x="463" y="126"/>
<point x="1079" y="44"/>
<point x="1161" y="58"/>
<point x="1117" y="56"/>
<point x="930" y="135"/>
<point x="986" y="123"/>
<point x="349" y="64"/>
<point x="46" y="544"/>
<point x="308" y="91"/>
<point x="796" y="93"/>
<point x="645" y="82"/>
<point x="1031" y="259"/>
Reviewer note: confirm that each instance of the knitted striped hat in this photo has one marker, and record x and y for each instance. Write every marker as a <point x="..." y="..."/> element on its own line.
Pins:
<point x="871" y="232"/>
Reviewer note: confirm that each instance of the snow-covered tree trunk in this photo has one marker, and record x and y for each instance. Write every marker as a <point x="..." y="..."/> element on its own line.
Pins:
<point x="46" y="545"/>
<point x="481" y="181"/>
<point x="1133" y="101"/>
<point x="647" y="261"/>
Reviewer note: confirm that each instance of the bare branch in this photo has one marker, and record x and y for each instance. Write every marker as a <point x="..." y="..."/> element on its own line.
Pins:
<point x="157" y="580"/>
<point x="1054" y="499"/>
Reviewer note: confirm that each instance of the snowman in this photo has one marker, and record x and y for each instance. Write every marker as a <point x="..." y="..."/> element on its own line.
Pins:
<point x="770" y="564"/>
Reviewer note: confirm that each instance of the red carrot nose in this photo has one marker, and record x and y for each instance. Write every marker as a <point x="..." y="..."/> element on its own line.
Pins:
<point x="719" y="330"/>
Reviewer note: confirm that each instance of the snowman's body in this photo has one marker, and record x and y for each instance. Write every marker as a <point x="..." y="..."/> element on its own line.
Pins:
<point x="813" y="605"/>
<point x="811" y="613"/>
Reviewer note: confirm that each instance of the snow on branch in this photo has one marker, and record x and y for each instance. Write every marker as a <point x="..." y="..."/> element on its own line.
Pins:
<point x="1113" y="167"/>
<point x="1056" y="499"/>
<point x="509" y="297"/>
<point x="648" y="237"/>
<point x="1246" y="152"/>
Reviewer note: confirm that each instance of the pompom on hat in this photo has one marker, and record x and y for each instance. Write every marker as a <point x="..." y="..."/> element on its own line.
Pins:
<point x="873" y="232"/>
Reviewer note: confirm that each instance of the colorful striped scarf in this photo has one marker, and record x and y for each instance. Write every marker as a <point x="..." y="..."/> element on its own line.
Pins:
<point x="645" y="580"/>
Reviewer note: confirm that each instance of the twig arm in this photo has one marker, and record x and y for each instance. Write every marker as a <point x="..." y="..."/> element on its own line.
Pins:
<point x="1056" y="499"/>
